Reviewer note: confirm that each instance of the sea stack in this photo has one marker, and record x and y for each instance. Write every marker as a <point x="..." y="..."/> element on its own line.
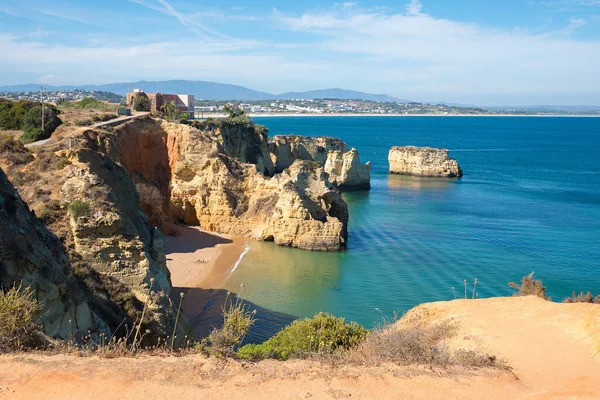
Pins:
<point x="342" y="165"/>
<point x="423" y="161"/>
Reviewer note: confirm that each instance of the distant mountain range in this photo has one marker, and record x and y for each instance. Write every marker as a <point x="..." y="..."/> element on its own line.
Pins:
<point x="210" y="91"/>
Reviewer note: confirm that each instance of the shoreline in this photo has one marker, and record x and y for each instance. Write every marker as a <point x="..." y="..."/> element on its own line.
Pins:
<point x="275" y="115"/>
<point x="200" y="262"/>
<point x="198" y="259"/>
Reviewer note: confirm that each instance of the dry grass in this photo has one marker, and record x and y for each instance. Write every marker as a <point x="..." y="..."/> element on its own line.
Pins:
<point x="530" y="287"/>
<point x="12" y="151"/>
<point x="79" y="116"/>
<point x="583" y="298"/>
<point x="418" y="345"/>
<point x="18" y="329"/>
<point x="237" y="320"/>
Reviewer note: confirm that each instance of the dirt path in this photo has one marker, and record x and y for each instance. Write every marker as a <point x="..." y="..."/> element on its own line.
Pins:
<point x="554" y="349"/>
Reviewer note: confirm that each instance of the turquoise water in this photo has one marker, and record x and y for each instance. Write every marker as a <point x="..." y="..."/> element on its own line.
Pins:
<point x="529" y="201"/>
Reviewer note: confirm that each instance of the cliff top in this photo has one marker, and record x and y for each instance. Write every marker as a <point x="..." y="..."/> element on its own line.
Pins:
<point x="552" y="347"/>
<point x="417" y="148"/>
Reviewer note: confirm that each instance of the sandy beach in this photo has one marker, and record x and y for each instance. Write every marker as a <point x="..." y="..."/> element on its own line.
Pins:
<point x="200" y="259"/>
<point x="200" y="262"/>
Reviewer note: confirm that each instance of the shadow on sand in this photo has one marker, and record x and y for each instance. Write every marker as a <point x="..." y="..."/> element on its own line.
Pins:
<point x="192" y="239"/>
<point x="203" y="309"/>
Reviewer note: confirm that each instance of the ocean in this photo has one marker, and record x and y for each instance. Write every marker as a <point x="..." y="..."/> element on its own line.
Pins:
<point x="529" y="201"/>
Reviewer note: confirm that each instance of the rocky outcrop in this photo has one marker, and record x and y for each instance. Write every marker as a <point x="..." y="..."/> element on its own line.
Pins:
<point x="297" y="208"/>
<point x="91" y="203"/>
<point x="112" y="235"/>
<point x="346" y="172"/>
<point x="342" y="165"/>
<point x="32" y="256"/>
<point x="285" y="149"/>
<point x="220" y="180"/>
<point x="422" y="161"/>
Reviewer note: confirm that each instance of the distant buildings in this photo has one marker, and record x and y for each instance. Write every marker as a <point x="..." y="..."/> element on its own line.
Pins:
<point x="183" y="102"/>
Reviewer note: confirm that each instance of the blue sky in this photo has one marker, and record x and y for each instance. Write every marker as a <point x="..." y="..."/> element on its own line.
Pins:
<point x="483" y="52"/>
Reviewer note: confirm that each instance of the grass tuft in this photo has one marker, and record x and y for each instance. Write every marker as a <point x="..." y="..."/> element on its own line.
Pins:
<point x="583" y="297"/>
<point x="79" y="209"/>
<point x="237" y="320"/>
<point x="530" y="287"/>
<point x="18" y="330"/>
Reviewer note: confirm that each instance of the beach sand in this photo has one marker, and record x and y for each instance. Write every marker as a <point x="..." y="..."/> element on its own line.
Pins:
<point x="200" y="263"/>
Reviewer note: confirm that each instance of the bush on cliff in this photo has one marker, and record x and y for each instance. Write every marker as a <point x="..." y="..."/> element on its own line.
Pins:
<point x="79" y="209"/>
<point x="237" y="320"/>
<point x="18" y="329"/>
<point x="322" y="335"/>
<point x="141" y="103"/>
<point x="32" y="123"/>
<point x="583" y="297"/>
<point x="530" y="287"/>
<point x="418" y="344"/>
<point x="13" y="151"/>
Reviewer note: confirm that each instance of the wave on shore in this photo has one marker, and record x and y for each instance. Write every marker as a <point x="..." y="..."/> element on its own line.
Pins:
<point x="239" y="261"/>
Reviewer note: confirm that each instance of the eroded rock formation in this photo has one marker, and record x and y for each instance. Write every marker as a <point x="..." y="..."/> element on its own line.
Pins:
<point x="342" y="165"/>
<point x="285" y="149"/>
<point x="346" y="171"/>
<point x="219" y="179"/>
<point x="31" y="256"/>
<point x="422" y="161"/>
<point x="91" y="203"/>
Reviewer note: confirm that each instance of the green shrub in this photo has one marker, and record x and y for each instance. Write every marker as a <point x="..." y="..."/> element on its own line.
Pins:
<point x="18" y="330"/>
<point x="89" y="102"/>
<point x="237" y="320"/>
<point x="12" y="113"/>
<point x="323" y="335"/>
<point x="141" y="103"/>
<point x="172" y="113"/>
<point x="79" y="209"/>
<point x="32" y="124"/>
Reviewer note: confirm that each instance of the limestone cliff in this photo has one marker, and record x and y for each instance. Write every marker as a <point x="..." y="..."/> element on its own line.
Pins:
<point x="346" y="172"/>
<point x="32" y="256"/>
<point x="211" y="177"/>
<point x="91" y="203"/>
<point x="285" y="149"/>
<point x="342" y="165"/>
<point x="422" y="161"/>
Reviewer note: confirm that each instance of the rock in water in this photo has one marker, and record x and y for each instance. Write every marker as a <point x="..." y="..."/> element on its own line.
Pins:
<point x="342" y="165"/>
<point x="422" y="161"/>
<point x="346" y="172"/>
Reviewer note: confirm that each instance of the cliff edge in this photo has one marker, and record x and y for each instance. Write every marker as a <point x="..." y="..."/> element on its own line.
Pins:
<point x="551" y="347"/>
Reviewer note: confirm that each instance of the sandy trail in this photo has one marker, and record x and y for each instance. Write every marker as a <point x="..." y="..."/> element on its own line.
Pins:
<point x="554" y="349"/>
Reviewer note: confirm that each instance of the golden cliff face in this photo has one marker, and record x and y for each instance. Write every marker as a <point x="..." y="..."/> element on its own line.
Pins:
<point x="32" y="256"/>
<point x="297" y="208"/>
<point x="423" y="161"/>
<point x="342" y="165"/>
<point x="219" y="177"/>
<point x="111" y="255"/>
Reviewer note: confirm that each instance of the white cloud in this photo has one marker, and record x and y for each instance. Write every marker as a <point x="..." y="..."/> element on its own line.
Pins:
<point x="166" y="8"/>
<point x="409" y="54"/>
<point x="425" y="57"/>
<point x="414" y="7"/>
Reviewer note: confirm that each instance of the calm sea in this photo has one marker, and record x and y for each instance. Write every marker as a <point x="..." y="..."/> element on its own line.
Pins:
<point x="529" y="201"/>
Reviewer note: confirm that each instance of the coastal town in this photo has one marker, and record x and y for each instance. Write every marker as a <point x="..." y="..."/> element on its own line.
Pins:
<point x="203" y="107"/>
